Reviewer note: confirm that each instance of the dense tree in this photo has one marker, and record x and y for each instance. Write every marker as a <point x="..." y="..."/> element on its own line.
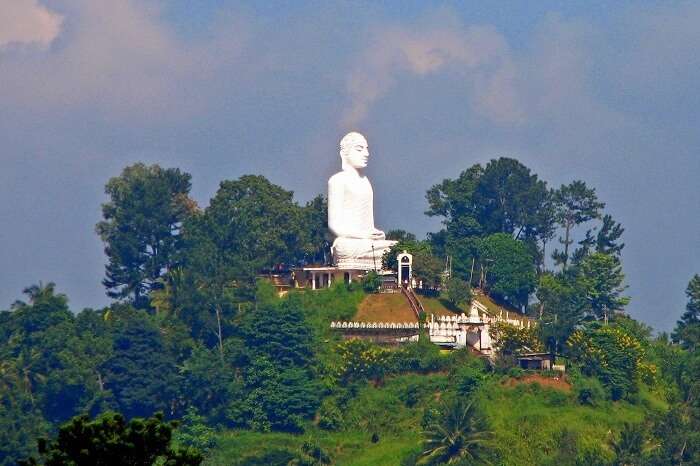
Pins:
<point x="561" y="309"/>
<point x="279" y="332"/>
<point x="21" y="421"/>
<point x="611" y="354"/>
<point x="141" y="227"/>
<point x="454" y="201"/>
<point x="55" y="359"/>
<point x="503" y="197"/>
<point x="259" y="220"/>
<point x="575" y="204"/>
<point x="315" y="234"/>
<point x="278" y="390"/>
<point x="465" y="261"/>
<point x="274" y="398"/>
<point x="608" y="237"/>
<point x="510" y="272"/>
<point x="688" y="327"/>
<point x="458" y="292"/>
<point x="209" y="384"/>
<point x="511" y="199"/>
<point x="140" y="373"/>
<point x="602" y="281"/>
<point x="250" y="224"/>
<point x="111" y="440"/>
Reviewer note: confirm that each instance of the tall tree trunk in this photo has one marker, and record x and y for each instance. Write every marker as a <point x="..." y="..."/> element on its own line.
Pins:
<point x="220" y="337"/>
<point x="567" y="242"/>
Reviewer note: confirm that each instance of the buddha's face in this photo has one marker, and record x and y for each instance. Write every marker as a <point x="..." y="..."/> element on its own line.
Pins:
<point x="357" y="153"/>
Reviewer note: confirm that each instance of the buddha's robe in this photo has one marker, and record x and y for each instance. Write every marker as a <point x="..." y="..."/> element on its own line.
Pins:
<point x="358" y="244"/>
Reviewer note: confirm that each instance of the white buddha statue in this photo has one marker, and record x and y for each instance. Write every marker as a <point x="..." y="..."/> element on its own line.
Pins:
<point x="358" y="244"/>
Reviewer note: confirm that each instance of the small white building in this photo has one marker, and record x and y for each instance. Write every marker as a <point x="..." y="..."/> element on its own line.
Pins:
<point x="460" y="331"/>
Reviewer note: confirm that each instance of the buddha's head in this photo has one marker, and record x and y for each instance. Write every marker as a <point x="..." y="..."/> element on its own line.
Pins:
<point x="353" y="151"/>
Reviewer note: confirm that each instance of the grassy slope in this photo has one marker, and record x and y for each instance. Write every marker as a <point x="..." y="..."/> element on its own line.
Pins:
<point x="389" y="307"/>
<point x="528" y="422"/>
<point x="439" y="307"/>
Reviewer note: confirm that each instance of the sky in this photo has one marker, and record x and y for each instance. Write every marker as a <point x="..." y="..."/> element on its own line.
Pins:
<point x="602" y="91"/>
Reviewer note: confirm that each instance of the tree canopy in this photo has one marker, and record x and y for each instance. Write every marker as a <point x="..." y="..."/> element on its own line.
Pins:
<point x="141" y="227"/>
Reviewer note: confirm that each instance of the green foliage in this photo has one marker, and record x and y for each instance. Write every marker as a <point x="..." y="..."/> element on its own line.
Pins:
<point x="209" y="384"/>
<point x="20" y="420"/>
<point x="315" y="237"/>
<point x="459" y="434"/>
<point x="371" y="282"/>
<point x="688" y="327"/>
<point x="274" y="399"/>
<point x="361" y="360"/>
<point x="141" y="227"/>
<point x="589" y="391"/>
<point x="510" y="272"/>
<point x="400" y="236"/>
<point x="195" y="433"/>
<point x="278" y="389"/>
<point x="426" y="266"/>
<point x="607" y="239"/>
<point x="678" y="436"/>
<point x="140" y="374"/>
<point x="512" y="339"/>
<point x="110" y="437"/>
<point x="629" y="446"/>
<point x="575" y="204"/>
<point x="601" y="279"/>
<point x="311" y="455"/>
<point x="503" y="197"/>
<point x="421" y="356"/>
<point x="458" y="292"/>
<point x="561" y="308"/>
<point x="279" y="333"/>
<point x="329" y="416"/>
<point x="468" y="379"/>
<point x="611" y="354"/>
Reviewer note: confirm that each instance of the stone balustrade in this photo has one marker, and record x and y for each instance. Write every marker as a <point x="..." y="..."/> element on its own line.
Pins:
<point x="351" y="325"/>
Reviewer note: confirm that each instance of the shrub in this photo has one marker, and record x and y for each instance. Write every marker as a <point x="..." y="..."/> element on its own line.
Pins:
<point x="411" y="394"/>
<point x="329" y="416"/>
<point x="193" y="432"/>
<point x="589" y="391"/>
<point x="421" y="356"/>
<point x="468" y="379"/>
<point x="555" y="397"/>
<point x="362" y="360"/>
<point x="371" y="282"/>
<point x="508" y="338"/>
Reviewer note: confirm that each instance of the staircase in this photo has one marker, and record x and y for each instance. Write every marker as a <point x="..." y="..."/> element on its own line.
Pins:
<point x="416" y="305"/>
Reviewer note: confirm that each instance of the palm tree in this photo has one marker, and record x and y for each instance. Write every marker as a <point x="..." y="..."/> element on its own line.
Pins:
<point x="630" y="446"/>
<point x="458" y="435"/>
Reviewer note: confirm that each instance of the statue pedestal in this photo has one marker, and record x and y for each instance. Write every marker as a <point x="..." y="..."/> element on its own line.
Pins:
<point x="360" y="254"/>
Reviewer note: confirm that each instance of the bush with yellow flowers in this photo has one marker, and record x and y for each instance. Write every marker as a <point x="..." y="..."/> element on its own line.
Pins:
<point x="362" y="360"/>
<point x="508" y="339"/>
<point x="612" y="355"/>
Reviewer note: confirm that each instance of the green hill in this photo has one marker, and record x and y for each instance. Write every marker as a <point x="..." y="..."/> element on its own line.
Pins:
<point x="379" y="420"/>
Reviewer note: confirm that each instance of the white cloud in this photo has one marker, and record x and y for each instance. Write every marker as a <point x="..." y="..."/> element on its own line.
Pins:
<point x="27" y="22"/>
<point x="119" y="59"/>
<point x="440" y="43"/>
